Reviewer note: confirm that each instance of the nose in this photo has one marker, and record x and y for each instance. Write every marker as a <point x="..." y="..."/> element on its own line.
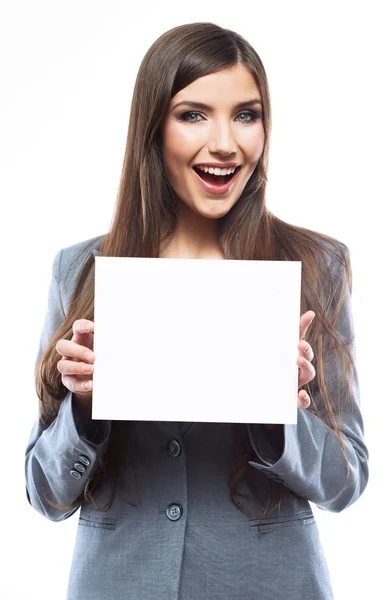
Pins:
<point x="221" y="139"/>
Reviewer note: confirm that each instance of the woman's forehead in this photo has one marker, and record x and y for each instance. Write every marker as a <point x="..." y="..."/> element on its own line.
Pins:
<point x="231" y="86"/>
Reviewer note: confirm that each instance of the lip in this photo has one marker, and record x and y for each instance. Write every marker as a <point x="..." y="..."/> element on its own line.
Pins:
<point x="217" y="165"/>
<point x="213" y="189"/>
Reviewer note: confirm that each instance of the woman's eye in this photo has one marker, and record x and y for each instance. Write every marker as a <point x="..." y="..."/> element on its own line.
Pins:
<point x="183" y="117"/>
<point x="251" y="115"/>
<point x="254" y="116"/>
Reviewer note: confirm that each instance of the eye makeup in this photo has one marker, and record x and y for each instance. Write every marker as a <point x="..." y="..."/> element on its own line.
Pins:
<point x="255" y="116"/>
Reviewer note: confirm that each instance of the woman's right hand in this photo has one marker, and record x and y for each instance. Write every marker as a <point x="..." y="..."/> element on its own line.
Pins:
<point x="76" y="367"/>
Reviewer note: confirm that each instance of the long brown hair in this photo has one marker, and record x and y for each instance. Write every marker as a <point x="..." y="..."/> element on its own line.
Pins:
<point x="146" y="215"/>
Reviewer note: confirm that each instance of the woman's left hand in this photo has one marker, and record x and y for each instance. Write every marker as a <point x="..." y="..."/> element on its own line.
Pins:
<point x="306" y="373"/>
<point x="306" y="370"/>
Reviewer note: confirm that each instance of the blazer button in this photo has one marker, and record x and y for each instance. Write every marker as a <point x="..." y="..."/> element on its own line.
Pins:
<point x="174" y="512"/>
<point x="75" y="474"/>
<point x="174" y="448"/>
<point x="85" y="460"/>
<point x="79" y="467"/>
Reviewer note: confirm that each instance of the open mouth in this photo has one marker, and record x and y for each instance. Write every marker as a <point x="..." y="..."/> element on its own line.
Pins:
<point x="216" y="179"/>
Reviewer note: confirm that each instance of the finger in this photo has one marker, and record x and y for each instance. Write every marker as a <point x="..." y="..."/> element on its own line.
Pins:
<point x="76" y="384"/>
<point x="83" y="331"/>
<point x="71" y="367"/>
<point x="83" y="326"/>
<point x="303" y="399"/>
<point x="305" y="350"/>
<point x="306" y="371"/>
<point x="306" y="319"/>
<point x="72" y="349"/>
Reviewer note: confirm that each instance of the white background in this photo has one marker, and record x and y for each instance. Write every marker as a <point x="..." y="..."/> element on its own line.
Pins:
<point x="67" y="76"/>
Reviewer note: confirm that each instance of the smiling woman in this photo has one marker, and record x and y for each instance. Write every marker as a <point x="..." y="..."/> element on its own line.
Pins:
<point x="221" y="135"/>
<point x="198" y="510"/>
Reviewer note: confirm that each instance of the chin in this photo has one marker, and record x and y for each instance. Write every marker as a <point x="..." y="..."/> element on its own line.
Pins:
<point x="216" y="212"/>
<point x="208" y="208"/>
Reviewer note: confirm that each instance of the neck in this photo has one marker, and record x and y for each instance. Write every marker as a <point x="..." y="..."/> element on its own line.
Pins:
<point x="195" y="237"/>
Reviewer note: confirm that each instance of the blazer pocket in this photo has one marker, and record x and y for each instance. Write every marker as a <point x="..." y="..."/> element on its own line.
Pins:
<point x="99" y="522"/>
<point x="271" y="523"/>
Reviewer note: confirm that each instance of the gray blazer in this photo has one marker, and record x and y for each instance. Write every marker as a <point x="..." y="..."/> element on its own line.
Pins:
<point x="186" y="540"/>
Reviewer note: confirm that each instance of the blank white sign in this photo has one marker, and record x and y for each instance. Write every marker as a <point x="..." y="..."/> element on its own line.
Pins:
<point x="196" y="340"/>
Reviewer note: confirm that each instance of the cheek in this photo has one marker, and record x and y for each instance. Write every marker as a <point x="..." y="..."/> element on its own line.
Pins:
<point x="253" y="143"/>
<point x="180" y="143"/>
<point x="175" y="156"/>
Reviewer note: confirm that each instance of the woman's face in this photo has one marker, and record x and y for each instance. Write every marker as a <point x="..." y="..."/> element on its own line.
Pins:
<point x="221" y="132"/>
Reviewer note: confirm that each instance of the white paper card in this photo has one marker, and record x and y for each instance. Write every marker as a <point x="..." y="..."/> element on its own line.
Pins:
<point x="196" y="340"/>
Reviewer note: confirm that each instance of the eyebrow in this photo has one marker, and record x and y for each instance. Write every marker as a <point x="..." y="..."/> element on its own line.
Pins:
<point x="203" y="106"/>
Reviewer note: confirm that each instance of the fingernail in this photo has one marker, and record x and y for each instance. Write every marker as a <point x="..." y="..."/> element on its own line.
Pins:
<point x="88" y="355"/>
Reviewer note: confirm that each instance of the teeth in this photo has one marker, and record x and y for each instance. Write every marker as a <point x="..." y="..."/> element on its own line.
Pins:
<point x="216" y="170"/>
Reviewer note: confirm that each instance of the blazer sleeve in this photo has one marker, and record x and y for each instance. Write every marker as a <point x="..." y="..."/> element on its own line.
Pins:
<point x="60" y="457"/>
<point x="311" y="463"/>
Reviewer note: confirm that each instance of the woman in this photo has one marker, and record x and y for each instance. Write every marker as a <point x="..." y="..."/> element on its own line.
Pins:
<point x="198" y="510"/>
